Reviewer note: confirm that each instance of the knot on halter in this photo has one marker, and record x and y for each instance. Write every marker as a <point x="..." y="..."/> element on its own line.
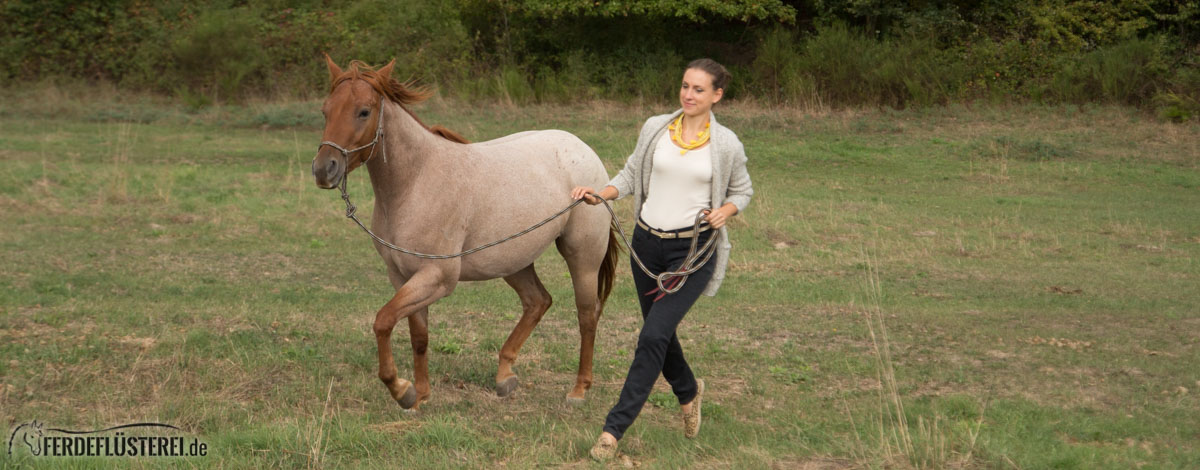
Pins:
<point x="351" y="209"/>
<point x="378" y="133"/>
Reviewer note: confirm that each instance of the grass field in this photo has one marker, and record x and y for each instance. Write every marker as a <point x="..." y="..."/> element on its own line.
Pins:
<point x="1009" y="287"/>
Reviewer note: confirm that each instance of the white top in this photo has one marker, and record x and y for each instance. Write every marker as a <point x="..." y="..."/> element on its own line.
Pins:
<point x="680" y="185"/>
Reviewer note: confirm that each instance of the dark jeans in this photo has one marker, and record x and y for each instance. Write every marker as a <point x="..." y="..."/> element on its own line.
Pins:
<point x="658" y="349"/>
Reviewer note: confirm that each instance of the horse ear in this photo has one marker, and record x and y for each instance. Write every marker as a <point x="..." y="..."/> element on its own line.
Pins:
<point x="334" y="70"/>
<point x="386" y="71"/>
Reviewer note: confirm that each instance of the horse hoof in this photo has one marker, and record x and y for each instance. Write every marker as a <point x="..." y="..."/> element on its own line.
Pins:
<point x="409" y="399"/>
<point x="575" y="401"/>
<point x="503" y="389"/>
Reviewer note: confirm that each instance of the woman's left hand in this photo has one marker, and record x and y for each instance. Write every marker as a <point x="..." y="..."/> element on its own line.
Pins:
<point x="716" y="218"/>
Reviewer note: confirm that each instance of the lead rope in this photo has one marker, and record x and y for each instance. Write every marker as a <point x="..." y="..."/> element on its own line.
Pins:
<point x="668" y="282"/>
<point x="351" y="210"/>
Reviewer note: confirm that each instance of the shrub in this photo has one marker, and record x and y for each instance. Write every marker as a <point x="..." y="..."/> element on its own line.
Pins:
<point x="1181" y="99"/>
<point x="849" y="68"/>
<point x="654" y="76"/>
<point x="89" y="40"/>
<point x="572" y="81"/>
<point x="917" y="71"/>
<point x="1076" y="25"/>
<point x="292" y="44"/>
<point x="217" y="54"/>
<point x="426" y="38"/>
<point x="1004" y="70"/>
<point x="840" y="63"/>
<point x="1129" y="72"/>
<point x="776" y="71"/>
<point x="512" y="87"/>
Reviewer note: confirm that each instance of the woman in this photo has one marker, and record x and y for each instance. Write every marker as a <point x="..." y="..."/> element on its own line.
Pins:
<point x="684" y="164"/>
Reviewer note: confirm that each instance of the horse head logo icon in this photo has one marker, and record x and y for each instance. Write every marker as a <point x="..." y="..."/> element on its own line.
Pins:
<point x="31" y="435"/>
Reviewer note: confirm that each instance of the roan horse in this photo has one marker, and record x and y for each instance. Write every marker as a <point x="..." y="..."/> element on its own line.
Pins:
<point x="435" y="193"/>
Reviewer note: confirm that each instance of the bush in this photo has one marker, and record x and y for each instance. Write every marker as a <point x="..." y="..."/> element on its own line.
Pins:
<point x="90" y="40"/>
<point x="777" y="72"/>
<point x="217" y="54"/>
<point x="839" y="62"/>
<point x="1007" y="70"/>
<point x="570" y="82"/>
<point x="653" y="76"/>
<point x="849" y="68"/>
<point x="512" y="87"/>
<point x="1181" y="99"/>
<point x="292" y="43"/>
<point x="426" y="37"/>
<point x="1129" y="72"/>
<point x="916" y="71"/>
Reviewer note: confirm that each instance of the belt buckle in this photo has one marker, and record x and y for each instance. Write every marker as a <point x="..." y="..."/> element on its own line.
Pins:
<point x="669" y="235"/>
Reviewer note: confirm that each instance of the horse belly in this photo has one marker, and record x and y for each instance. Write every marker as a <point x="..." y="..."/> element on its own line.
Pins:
<point x="511" y="256"/>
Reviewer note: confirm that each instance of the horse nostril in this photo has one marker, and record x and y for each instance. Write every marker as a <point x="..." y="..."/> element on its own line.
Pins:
<point x="331" y="167"/>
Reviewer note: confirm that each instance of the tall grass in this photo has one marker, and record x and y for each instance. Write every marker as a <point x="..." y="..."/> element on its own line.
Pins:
<point x="840" y="66"/>
<point x="218" y="54"/>
<point x="846" y="67"/>
<point x="512" y="87"/>
<point x="1181" y="101"/>
<point x="928" y="444"/>
<point x="1129" y="72"/>
<point x="317" y="436"/>
<point x="779" y="74"/>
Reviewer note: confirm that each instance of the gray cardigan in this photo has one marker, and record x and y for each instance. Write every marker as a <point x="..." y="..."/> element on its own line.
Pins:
<point x="730" y="181"/>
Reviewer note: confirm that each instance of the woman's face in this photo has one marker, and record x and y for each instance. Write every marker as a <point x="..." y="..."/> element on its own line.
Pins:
<point x="697" y="95"/>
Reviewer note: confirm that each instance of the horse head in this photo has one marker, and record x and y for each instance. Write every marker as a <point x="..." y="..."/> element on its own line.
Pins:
<point x="354" y="124"/>
<point x="33" y="448"/>
<point x="29" y="430"/>
<point x="353" y="120"/>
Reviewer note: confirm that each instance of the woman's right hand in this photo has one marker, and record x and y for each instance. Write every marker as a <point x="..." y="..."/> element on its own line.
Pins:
<point x="585" y="193"/>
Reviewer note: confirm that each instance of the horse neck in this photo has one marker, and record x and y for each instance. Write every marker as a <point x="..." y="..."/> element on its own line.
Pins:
<point x="407" y="148"/>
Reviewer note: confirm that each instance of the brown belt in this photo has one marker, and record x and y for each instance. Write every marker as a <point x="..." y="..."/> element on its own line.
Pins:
<point x="668" y="235"/>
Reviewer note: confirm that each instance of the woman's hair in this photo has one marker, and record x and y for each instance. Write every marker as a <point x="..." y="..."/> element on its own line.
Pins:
<point x="719" y="74"/>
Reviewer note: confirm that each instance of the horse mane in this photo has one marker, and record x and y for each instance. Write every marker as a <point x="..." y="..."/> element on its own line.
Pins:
<point x="405" y="93"/>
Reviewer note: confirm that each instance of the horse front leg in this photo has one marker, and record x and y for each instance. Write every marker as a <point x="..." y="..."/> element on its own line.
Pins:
<point x="415" y="296"/>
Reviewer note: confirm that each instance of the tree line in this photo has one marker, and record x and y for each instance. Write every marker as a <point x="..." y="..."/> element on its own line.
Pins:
<point x="805" y="52"/>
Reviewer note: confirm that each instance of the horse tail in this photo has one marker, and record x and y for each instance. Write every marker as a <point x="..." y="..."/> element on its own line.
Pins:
<point x="608" y="268"/>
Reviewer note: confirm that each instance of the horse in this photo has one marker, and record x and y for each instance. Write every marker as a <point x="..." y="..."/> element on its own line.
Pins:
<point x="437" y="193"/>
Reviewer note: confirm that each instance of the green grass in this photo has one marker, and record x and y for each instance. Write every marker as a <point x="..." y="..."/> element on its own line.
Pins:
<point x="1038" y="272"/>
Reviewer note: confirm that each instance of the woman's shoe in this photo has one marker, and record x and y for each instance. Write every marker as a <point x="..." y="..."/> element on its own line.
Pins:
<point x="604" y="449"/>
<point x="691" y="419"/>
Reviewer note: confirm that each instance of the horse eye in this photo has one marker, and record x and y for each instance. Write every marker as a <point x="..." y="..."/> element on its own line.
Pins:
<point x="364" y="113"/>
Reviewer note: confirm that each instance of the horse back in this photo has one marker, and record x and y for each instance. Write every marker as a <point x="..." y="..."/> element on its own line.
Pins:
<point x="546" y="157"/>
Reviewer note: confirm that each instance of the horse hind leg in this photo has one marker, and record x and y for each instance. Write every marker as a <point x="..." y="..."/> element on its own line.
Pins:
<point x="585" y="266"/>
<point x="588" y="308"/>
<point x="535" y="300"/>
<point x="418" y="333"/>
